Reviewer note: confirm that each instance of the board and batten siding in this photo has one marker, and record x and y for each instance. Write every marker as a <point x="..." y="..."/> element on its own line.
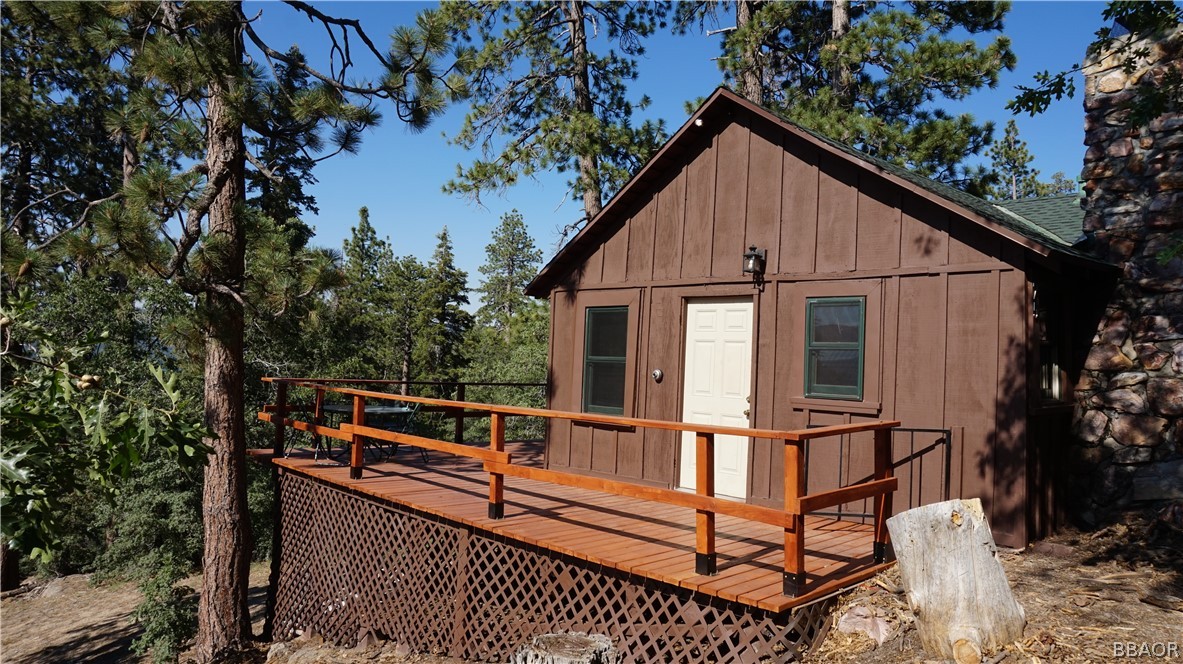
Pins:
<point x="948" y="342"/>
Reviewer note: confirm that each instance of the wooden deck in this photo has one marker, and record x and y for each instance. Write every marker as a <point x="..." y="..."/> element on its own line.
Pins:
<point x="643" y="538"/>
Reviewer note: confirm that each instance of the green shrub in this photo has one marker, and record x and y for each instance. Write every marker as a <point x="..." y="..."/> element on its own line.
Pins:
<point x="168" y="612"/>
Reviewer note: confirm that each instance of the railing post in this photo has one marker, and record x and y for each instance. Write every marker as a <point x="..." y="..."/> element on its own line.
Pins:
<point x="356" y="450"/>
<point x="705" y="558"/>
<point x="458" y="436"/>
<point x="318" y="417"/>
<point x="281" y="413"/>
<point x="794" y="572"/>
<point x="497" y="480"/>
<point x="882" y="501"/>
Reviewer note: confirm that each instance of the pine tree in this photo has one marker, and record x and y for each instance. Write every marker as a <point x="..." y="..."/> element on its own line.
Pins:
<point x="548" y="90"/>
<point x="870" y="74"/>
<point x="192" y="98"/>
<point x="405" y="282"/>
<point x="1012" y="164"/>
<point x="509" y="343"/>
<point x="511" y="261"/>
<point x="441" y="322"/>
<point x="363" y="328"/>
<point x="58" y="157"/>
<point x="1060" y="185"/>
<point x="1011" y="167"/>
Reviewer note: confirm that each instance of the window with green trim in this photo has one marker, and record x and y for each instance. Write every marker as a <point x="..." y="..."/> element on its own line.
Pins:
<point x="605" y="349"/>
<point x="834" y="347"/>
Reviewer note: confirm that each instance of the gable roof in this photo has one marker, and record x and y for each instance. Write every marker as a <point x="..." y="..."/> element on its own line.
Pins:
<point x="1060" y="215"/>
<point x="1013" y="225"/>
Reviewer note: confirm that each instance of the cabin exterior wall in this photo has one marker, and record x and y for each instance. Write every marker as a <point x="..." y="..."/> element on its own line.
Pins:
<point x="948" y="319"/>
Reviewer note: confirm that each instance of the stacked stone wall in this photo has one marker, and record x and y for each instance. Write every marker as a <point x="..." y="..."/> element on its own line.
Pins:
<point x="1129" y="400"/>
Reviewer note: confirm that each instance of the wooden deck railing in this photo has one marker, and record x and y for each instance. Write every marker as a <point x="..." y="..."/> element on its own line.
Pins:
<point x="499" y="463"/>
<point x="458" y="389"/>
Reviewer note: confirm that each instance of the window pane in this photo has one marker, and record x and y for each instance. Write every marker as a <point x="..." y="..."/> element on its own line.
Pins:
<point x="607" y="332"/>
<point x="836" y="368"/>
<point x="605" y="349"/>
<point x="836" y="323"/>
<point x="834" y="347"/>
<point x="604" y="387"/>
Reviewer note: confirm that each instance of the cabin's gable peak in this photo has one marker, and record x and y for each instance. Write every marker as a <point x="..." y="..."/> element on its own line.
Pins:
<point x="724" y="107"/>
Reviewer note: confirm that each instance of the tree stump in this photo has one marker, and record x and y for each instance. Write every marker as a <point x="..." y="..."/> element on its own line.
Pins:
<point x="568" y="649"/>
<point x="953" y="580"/>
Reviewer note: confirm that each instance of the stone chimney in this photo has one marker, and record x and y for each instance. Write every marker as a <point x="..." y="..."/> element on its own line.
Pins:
<point x="1129" y="401"/>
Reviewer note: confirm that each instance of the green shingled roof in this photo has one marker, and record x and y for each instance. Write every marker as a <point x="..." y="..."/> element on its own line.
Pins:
<point x="1061" y="215"/>
<point x="1045" y="223"/>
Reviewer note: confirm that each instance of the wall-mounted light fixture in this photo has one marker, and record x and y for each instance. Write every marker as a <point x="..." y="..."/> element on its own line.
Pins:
<point x="753" y="262"/>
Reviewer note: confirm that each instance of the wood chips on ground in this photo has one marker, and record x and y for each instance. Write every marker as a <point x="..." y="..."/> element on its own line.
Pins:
<point x="1082" y="593"/>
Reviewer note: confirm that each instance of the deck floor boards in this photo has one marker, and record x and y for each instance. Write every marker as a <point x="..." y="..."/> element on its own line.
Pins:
<point x="635" y="536"/>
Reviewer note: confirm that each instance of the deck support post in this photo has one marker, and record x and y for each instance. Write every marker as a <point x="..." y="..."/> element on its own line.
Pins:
<point x="356" y="450"/>
<point x="705" y="558"/>
<point x="281" y="413"/>
<point x="496" y="480"/>
<point x="278" y="445"/>
<point x="318" y="418"/>
<point x="794" y="565"/>
<point x="458" y="434"/>
<point x="882" y="501"/>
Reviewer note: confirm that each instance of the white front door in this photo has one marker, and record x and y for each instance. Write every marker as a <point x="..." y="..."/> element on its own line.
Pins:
<point x="717" y="384"/>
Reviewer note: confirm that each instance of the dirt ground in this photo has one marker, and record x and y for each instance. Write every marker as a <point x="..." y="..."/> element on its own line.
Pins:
<point x="68" y="620"/>
<point x="1082" y="592"/>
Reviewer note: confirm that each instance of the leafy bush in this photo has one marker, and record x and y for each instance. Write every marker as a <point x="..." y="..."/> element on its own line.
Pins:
<point x="168" y="612"/>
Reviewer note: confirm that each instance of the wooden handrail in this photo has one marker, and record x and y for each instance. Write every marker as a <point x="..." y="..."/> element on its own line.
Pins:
<point x="499" y="464"/>
<point x="427" y="443"/>
<point x="616" y="420"/>
<point x="376" y="381"/>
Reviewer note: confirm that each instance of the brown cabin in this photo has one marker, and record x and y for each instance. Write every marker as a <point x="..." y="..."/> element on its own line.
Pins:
<point x="882" y="295"/>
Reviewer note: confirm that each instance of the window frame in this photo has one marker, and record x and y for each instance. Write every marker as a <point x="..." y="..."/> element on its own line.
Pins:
<point x="588" y="359"/>
<point x="814" y="390"/>
<point x="582" y="301"/>
<point x="792" y="318"/>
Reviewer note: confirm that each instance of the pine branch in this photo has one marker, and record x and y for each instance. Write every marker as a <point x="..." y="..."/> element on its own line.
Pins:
<point x="35" y="203"/>
<point x="79" y="222"/>
<point x="345" y="24"/>
<point x="191" y="231"/>
<point x="262" y="168"/>
<point x="339" y="84"/>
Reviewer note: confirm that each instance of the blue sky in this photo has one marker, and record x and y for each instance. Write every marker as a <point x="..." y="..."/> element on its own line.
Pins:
<point x="398" y="174"/>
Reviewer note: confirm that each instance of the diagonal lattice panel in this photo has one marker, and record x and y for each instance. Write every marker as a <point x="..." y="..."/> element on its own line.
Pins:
<point x="351" y="564"/>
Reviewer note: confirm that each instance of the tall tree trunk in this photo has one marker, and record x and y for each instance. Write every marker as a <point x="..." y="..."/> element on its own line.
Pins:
<point x="223" y="618"/>
<point x="751" y="76"/>
<point x="131" y="159"/>
<point x="840" y="75"/>
<point x="22" y="181"/>
<point x="589" y="162"/>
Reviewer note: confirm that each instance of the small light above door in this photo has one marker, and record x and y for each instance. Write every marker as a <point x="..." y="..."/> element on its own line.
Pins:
<point x="753" y="263"/>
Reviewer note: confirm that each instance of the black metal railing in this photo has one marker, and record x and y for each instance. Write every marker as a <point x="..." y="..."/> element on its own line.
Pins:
<point x="912" y="470"/>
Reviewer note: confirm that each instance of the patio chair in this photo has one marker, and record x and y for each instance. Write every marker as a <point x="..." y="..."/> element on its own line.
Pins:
<point x="406" y="424"/>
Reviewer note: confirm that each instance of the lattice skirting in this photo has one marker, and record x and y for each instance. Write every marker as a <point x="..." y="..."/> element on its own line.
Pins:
<point x="351" y="564"/>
